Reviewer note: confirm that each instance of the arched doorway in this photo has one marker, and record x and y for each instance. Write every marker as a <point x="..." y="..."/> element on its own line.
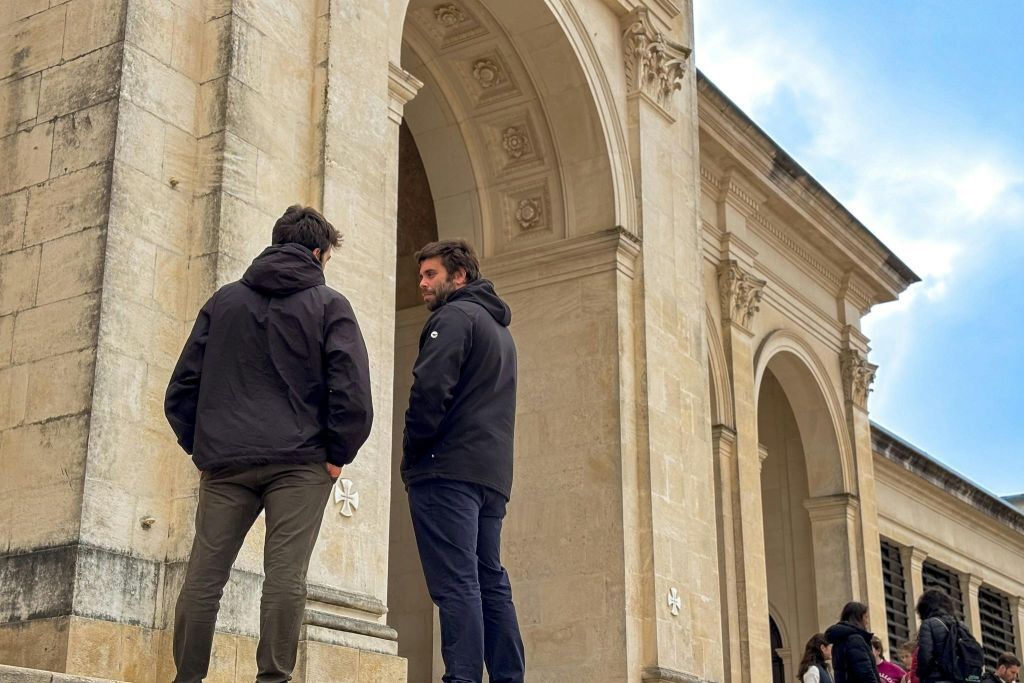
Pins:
<point x="504" y="146"/>
<point x="808" y="512"/>
<point x="778" y="663"/>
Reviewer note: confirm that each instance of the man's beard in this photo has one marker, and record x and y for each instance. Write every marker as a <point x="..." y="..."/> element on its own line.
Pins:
<point x="441" y="293"/>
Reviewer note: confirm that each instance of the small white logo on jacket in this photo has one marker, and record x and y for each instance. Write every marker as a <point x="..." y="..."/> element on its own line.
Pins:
<point x="433" y="335"/>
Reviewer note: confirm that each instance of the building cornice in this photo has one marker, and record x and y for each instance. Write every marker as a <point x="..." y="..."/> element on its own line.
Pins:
<point x="897" y="451"/>
<point x="847" y="243"/>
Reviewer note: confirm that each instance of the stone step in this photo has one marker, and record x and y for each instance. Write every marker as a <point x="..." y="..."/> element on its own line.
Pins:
<point x="16" y="674"/>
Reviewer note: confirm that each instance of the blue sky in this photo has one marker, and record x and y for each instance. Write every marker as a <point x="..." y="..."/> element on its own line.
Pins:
<point x="912" y="114"/>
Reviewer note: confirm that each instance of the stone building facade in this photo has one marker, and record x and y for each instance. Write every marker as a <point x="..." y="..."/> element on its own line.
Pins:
<point x="698" y="486"/>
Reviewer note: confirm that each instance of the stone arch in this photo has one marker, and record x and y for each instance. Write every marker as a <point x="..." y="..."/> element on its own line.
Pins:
<point x="718" y="376"/>
<point x="516" y="146"/>
<point x="816" y="406"/>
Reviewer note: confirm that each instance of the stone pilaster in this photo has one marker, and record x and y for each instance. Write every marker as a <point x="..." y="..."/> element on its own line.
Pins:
<point x="969" y="587"/>
<point x="836" y="565"/>
<point x="727" y="501"/>
<point x="1017" y="608"/>
<point x="857" y="374"/>
<point x="739" y="295"/>
<point x="913" y="578"/>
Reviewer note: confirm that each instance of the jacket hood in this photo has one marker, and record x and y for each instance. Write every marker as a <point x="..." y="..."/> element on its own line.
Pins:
<point x="843" y="630"/>
<point x="284" y="269"/>
<point x="482" y="292"/>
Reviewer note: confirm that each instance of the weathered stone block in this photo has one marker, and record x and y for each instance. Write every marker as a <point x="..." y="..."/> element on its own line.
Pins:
<point x="59" y="386"/>
<point x="25" y="157"/>
<point x="19" y="275"/>
<point x="216" y="53"/>
<point x="13" y="209"/>
<point x="144" y="208"/>
<point x="57" y="328"/>
<point x="36" y="455"/>
<point x="239" y="168"/>
<point x="92" y="24"/>
<point x="15" y="10"/>
<point x="171" y="291"/>
<point x="150" y="27"/>
<point x="140" y="139"/>
<point x="19" y="99"/>
<point x="13" y="396"/>
<point x="378" y="668"/>
<point x="31" y="44"/>
<point x="212" y="106"/>
<point x="159" y="89"/>
<point x="95" y="647"/>
<point x="92" y="78"/>
<point x="179" y="163"/>
<point x="68" y="204"/>
<point x="6" y="339"/>
<point x="71" y="265"/>
<point x="323" y="662"/>
<point x="48" y="638"/>
<point x="140" y="332"/>
<point x="42" y="515"/>
<point x="186" y="48"/>
<point x="84" y="138"/>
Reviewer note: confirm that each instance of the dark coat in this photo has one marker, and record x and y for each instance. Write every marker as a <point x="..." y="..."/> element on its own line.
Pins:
<point x="462" y="407"/>
<point x="931" y="642"/>
<point x="852" y="658"/>
<point x="275" y="370"/>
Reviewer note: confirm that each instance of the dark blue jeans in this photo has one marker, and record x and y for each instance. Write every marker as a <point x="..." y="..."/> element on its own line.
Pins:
<point x="458" y="533"/>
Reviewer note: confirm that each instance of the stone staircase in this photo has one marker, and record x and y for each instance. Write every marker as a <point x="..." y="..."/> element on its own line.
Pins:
<point x="16" y="674"/>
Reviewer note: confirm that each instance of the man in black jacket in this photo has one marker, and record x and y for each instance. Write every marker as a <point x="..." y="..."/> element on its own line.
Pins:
<point x="852" y="658"/>
<point x="270" y="397"/>
<point x="457" y="463"/>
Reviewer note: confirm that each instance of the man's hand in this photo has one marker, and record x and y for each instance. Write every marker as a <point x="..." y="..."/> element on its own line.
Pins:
<point x="333" y="470"/>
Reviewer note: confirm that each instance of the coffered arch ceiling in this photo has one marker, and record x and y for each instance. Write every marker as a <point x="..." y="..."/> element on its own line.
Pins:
<point x="506" y="125"/>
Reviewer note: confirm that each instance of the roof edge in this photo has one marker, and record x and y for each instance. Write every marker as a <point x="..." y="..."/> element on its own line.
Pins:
<point x="902" y="453"/>
<point x="788" y="164"/>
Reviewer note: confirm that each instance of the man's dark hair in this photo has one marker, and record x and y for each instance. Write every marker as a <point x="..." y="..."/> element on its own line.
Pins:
<point x="934" y="602"/>
<point x="306" y="226"/>
<point x="853" y="612"/>
<point x="454" y="254"/>
<point x="1007" y="659"/>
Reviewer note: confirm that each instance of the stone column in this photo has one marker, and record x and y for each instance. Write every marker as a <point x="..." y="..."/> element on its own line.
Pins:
<point x="723" y="444"/>
<point x="857" y="375"/>
<point x="673" y="601"/>
<point x="969" y="586"/>
<point x="913" y="579"/>
<point x="834" y="537"/>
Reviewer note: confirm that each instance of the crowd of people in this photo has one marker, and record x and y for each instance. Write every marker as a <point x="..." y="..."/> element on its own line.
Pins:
<point x="942" y="651"/>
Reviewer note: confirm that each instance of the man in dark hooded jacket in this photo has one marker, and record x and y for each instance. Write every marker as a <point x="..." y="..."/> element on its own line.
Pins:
<point x="270" y="397"/>
<point x="852" y="658"/>
<point x="457" y="463"/>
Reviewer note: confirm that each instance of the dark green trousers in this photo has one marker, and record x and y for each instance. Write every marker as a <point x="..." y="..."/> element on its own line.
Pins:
<point x="294" y="497"/>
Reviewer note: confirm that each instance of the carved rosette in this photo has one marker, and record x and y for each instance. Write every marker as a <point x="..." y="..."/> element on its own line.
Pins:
<point x="529" y="212"/>
<point x="449" y="15"/>
<point x="740" y="293"/>
<point x="515" y="142"/>
<point x="654" y="63"/>
<point x="858" y="374"/>
<point x="487" y="73"/>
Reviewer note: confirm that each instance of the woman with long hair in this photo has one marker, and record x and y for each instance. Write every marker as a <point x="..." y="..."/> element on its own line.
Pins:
<point x="852" y="661"/>
<point x="814" y="665"/>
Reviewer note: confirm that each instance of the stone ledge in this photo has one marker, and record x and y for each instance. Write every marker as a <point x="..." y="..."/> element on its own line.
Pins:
<point x="660" y="674"/>
<point x="16" y="674"/>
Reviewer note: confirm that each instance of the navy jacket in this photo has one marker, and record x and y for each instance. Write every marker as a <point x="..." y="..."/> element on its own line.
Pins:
<point x="852" y="658"/>
<point x="462" y="407"/>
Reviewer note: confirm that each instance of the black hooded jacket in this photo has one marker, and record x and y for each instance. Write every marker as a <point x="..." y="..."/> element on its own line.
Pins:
<point x="462" y="407"/>
<point x="931" y="642"/>
<point x="275" y="370"/>
<point x="852" y="658"/>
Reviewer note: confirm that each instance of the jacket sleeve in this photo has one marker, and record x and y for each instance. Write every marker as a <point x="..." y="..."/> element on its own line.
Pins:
<point x="182" y="397"/>
<point x="444" y="346"/>
<point x="349" y="399"/>
<point x="860" y="661"/>
<point x="925" y="648"/>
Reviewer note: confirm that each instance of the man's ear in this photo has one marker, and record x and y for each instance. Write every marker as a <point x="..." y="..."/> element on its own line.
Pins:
<point x="460" y="277"/>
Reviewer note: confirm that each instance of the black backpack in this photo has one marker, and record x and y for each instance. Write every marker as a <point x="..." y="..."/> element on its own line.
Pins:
<point x="962" y="658"/>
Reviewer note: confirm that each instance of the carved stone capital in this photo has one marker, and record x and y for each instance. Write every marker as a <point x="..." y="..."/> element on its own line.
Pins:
<point x="858" y="374"/>
<point x="654" y="64"/>
<point x="740" y="293"/>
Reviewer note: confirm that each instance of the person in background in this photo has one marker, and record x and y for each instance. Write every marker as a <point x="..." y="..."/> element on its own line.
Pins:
<point x="851" y="653"/>
<point x="935" y="610"/>
<point x="814" y="665"/>
<point x="887" y="671"/>
<point x="907" y="654"/>
<point x="1007" y="668"/>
